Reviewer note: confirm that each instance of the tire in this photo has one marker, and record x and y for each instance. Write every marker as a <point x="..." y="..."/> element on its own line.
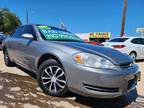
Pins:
<point x="52" y="79"/>
<point x="133" y="55"/>
<point x="7" y="60"/>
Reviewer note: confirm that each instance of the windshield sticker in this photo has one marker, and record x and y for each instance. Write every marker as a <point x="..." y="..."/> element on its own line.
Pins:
<point x="44" y="27"/>
<point x="54" y="34"/>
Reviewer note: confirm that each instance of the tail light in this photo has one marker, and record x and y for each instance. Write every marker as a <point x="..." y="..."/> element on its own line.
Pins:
<point x="118" y="46"/>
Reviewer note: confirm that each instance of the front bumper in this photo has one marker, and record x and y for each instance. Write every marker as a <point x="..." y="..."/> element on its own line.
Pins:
<point x="102" y="83"/>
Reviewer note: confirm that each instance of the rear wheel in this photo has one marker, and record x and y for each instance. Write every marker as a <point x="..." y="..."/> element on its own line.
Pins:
<point x="7" y="60"/>
<point x="133" y="55"/>
<point x="52" y="78"/>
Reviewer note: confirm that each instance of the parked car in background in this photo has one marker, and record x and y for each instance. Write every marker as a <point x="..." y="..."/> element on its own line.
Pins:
<point x="63" y="62"/>
<point x="2" y="37"/>
<point x="93" y="43"/>
<point x="133" y="46"/>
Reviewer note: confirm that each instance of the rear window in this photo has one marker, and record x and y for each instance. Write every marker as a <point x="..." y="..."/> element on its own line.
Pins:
<point x="118" y="40"/>
<point x="138" y="41"/>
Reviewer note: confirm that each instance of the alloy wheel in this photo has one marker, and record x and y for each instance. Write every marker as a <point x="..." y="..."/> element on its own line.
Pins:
<point x="53" y="79"/>
<point x="133" y="56"/>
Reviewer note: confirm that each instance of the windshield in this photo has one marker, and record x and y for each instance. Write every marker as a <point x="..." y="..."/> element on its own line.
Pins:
<point x="118" y="40"/>
<point x="56" y="34"/>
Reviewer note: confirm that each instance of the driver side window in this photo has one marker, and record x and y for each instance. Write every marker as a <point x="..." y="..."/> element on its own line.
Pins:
<point x="18" y="32"/>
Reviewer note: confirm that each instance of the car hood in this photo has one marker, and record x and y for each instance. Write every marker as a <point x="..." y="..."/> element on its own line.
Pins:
<point x="115" y="56"/>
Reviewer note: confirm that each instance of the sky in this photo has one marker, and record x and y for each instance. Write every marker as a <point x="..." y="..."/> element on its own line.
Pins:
<point x="81" y="16"/>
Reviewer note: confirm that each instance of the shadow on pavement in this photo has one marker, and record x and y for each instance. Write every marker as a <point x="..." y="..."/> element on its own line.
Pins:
<point x="22" y="91"/>
<point x="119" y="102"/>
<point x="32" y="74"/>
<point x="138" y="61"/>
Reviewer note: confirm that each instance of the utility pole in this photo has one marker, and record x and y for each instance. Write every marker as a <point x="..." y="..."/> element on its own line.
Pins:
<point x="123" y="19"/>
<point x="27" y="17"/>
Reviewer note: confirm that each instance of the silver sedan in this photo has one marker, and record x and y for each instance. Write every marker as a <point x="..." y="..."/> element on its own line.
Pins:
<point x="63" y="62"/>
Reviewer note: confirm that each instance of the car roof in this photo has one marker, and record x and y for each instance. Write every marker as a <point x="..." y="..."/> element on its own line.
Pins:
<point x="135" y="37"/>
<point x="132" y="37"/>
<point x="44" y="25"/>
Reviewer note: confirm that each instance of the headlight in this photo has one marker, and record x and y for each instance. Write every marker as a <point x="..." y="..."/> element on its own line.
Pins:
<point x="91" y="60"/>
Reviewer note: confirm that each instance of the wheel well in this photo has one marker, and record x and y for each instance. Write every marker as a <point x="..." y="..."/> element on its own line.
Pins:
<point x="133" y="52"/>
<point x="46" y="57"/>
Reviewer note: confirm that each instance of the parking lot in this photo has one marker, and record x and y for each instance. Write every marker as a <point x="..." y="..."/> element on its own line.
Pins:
<point x="18" y="89"/>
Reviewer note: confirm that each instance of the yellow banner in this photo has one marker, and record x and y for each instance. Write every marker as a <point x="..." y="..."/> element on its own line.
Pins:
<point x="100" y="35"/>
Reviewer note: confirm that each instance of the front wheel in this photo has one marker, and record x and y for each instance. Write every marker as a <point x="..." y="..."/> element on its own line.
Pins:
<point x="133" y="55"/>
<point x="52" y="78"/>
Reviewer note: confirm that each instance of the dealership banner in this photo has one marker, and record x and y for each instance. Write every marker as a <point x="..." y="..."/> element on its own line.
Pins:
<point x="140" y="30"/>
<point x="100" y="35"/>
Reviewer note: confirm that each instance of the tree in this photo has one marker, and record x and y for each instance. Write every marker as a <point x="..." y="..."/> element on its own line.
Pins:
<point x="8" y="21"/>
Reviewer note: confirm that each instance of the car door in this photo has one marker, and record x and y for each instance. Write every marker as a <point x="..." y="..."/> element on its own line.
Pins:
<point x="27" y="48"/>
<point x="138" y="46"/>
<point x="12" y="43"/>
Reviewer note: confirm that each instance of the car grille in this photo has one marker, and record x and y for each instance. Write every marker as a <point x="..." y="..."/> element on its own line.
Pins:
<point x="131" y="83"/>
<point x="101" y="89"/>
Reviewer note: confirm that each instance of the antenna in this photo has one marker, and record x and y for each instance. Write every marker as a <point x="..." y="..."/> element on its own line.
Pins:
<point x="62" y="25"/>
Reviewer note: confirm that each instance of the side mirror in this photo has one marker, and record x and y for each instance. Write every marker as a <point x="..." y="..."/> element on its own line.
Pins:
<point x="28" y="36"/>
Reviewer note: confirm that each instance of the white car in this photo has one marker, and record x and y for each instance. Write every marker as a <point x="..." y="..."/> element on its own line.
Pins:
<point x="133" y="46"/>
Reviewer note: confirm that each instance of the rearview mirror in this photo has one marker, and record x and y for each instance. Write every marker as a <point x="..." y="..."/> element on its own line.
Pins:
<point x="29" y="36"/>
